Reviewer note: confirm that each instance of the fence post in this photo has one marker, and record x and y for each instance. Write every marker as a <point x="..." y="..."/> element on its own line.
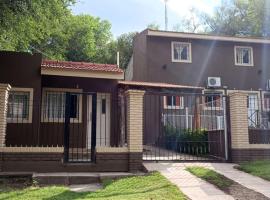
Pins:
<point x="66" y="127"/>
<point x="239" y="120"/>
<point x="4" y="89"/>
<point x="135" y="128"/>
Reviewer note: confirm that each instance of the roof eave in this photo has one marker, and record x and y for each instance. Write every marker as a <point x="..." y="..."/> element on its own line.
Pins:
<point x="206" y="37"/>
<point x="82" y="73"/>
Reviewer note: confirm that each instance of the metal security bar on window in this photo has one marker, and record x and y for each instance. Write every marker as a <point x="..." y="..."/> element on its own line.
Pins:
<point x="18" y="106"/>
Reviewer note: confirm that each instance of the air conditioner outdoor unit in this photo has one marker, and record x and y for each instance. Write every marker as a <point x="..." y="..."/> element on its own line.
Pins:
<point x="214" y="82"/>
<point x="268" y="84"/>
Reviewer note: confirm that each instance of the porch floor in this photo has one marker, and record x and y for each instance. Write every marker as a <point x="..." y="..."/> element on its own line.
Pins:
<point x="153" y="153"/>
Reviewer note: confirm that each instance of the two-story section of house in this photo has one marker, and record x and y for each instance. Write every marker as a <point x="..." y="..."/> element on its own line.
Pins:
<point x="241" y="63"/>
<point x="213" y="62"/>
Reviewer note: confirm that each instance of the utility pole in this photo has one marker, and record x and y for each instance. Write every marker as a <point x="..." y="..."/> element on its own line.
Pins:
<point x="166" y="15"/>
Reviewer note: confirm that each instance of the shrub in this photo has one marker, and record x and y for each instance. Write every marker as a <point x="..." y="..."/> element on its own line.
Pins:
<point x="186" y="140"/>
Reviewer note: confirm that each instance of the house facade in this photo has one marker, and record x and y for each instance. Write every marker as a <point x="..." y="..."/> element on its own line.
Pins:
<point x="221" y="65"/>
<point x="70" y="116"/>
<point x="61" y="112"/>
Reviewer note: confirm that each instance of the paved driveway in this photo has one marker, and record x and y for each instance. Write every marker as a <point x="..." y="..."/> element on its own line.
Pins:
<point x="190" y="185"/>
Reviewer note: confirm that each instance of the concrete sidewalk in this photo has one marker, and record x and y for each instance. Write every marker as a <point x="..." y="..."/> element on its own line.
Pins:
<point x="190" y="185"/>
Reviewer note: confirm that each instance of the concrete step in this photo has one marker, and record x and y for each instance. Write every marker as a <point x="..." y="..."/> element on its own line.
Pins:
<point x="66" y="178"/>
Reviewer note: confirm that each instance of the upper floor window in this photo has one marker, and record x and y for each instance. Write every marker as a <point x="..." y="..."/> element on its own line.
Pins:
<point x="243" y="56"/>
<point x="20" y="105"/>
<point x="181" y="52"/>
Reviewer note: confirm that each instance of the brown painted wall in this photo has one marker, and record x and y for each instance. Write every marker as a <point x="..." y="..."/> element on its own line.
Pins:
<point x="52" y="162"/>
<point x="53" y="133"/>
<point x="209" y="58"/>
<point x="22" y="70"/>
<point x="140" y="57"/>
<point x="87" y="85"/>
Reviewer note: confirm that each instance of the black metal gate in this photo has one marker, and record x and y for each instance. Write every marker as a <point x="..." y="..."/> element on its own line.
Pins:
<point x="187" y="127"/>
<point x="80" y="127"/>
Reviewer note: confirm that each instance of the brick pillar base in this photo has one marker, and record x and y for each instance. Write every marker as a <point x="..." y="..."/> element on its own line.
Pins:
<point x="135" y="162"/>
<point x="135" y="128"/>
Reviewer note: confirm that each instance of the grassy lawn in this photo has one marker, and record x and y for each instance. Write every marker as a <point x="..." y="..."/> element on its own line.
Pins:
<point x="152" y="187"/>
<point x="257" y="168"/>
<point x="211" y="176"/>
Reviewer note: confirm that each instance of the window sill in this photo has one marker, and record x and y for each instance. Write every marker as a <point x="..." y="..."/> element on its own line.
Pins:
<point x="19" y="121"/>
<point x="173" y="108"/>
<point x="213" y="108"/>
<point x="181" y="61"/>
<point x="61" y="121"/>
<point x="245" y="65"/>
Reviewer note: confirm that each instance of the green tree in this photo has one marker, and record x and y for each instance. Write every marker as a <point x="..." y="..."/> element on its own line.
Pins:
<point x="25" y="22"/>
<point x="125" y="47"/>
<point x="240" y="17"/>
<point x="189" y="23"/>
<point x="88" y="38"/>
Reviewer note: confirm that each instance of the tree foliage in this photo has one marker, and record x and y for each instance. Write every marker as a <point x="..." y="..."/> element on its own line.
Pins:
<point x="189" y="23"/>
<point x="26" y="22"/>
<point x="240" y="17"/>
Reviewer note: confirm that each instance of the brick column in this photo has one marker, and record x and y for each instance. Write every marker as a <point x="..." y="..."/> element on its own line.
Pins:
<point x="4" y="88"/>
<point x="239" y="120"/>
<point x="135" y="128"/>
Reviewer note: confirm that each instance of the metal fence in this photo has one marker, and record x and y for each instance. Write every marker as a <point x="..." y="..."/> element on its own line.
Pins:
<point x="77" y="121"/>
<point x="179" y="126"/>
<point x="258" y="119"/>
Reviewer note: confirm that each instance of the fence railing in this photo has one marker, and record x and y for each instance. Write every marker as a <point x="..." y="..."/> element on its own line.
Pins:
<point x="42" y="123"/>
<point x="258" y="119"/>
<point x="184" y="126"/>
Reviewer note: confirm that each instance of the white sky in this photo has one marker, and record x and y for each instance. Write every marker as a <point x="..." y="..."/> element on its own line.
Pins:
<point x="182" y="7"/>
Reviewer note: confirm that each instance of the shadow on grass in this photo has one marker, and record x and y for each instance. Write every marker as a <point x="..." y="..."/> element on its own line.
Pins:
<point x="68" y="195"/>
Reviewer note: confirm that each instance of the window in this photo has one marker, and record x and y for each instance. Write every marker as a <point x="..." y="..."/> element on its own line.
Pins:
<point x="54" y="106"/>
<point x="213" y="100"/>
<point x="266" y="102"/>
<point x="181" y="52"/>
<point x="20" y="105"/>
<point x="173" y="102"/>
<point x="243" y="56"/>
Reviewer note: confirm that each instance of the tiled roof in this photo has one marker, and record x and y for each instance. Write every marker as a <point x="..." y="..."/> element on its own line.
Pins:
<point x="158" y="85"/>
<point x="84" y="66"/>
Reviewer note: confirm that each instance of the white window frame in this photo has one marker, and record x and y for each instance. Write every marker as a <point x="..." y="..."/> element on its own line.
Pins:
<point x="189" y="52"/>
<point x="207" y="91"/>
<point x="251" y="56"/>
<point x="181" y="106"/>
<point x="30" y="109"/>
<point x="263" y="99"/>
<point x="44" y="117"/>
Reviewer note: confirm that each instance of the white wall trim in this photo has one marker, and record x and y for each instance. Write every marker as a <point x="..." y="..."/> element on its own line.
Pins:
<point x="112" y="149"/>
<point x="32" y="149"/>
<point x="251" y="57"/>
<point x="30" y="109"/>
<point x="61" y="120"/>
<point x="189" y="49"/>
<point x="82" y="73"/>
<point x="206" y="37"/>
